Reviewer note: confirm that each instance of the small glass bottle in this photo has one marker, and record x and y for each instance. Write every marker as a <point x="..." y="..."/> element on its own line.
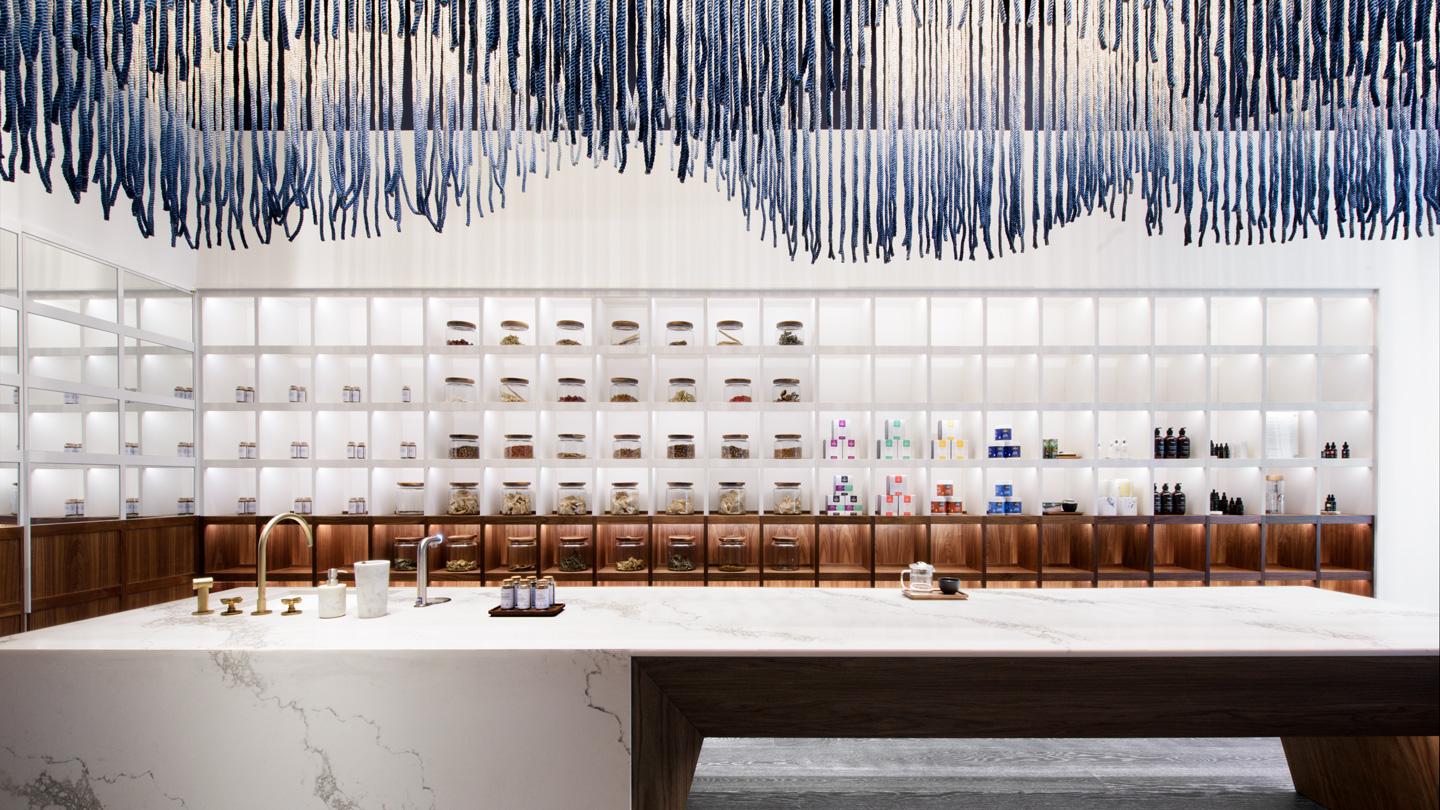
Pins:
<point x="784" y="553"/>
<point x="729" y="333"/>
<point x="737" y="389"/>
<point x="520" y="553"/>
<point x="459" y="333"/>
<point x="626" y="446"/>
<point x="574" y="554"/>
<point x="680" y="446"/>
<point x="132" y="507"/>
<point x="517" y="389"/>
<point x="405" y="394"/>
<point x="732" y="557"/>
<point x="512" y="333"/>
<point x="785" y="389"/>
<point x="787" y="446"/>
<point x="464" y="498"/>
<point x="681" y="553"/>
<point x="786" y="498"/>
<point x="624" y="333"/>
<point x="459" y="389"/>
<point x="789" y="333"/>
<point x="630" y="554"/>
<point x="516" y="498"/>
<point x="568" y="389"/>
<point x="519" y="446"/>
<point x="731" y="498"/>
<point x="572" y="499"/>
<point x="735" y="446"/>
<point x="570" y="446"/>
<point x="464" y="445"/>
<point x="1274" y="494"/>
<point x="462" y="553"/>
<point x="624" y="389"/>
<point x="569" y="333"/>
<point x="679" y="333"/>
<point x="679" y="498"/>
<point x="405" y="555"/>
<point x="409" y="498"/>
<point x="624" y="498"/>
<point x="682" y="389"/>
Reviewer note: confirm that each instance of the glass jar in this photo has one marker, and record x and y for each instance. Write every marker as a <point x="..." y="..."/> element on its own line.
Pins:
<point x="516" y="498"/>
<point x="568" y="389"/>
<point x="737" y="389"/>
<point x="679" y="333"/>
<point x="680" y="445"/>
<point x="624" y="333"/>
<point x="789" y="333"/>
<point x="570" y="446"/>
<point x="464" y="498"/>
<point x="459" y="333"/>
<point x="679" y="498"/>
<point x="519" y="446"/>
<point x="520" y="553"/>
<point x="569" y="333"/>
<point x="624" y="498"/>
<point x="1274" y="494"/>
<point x="512" y="333"/>
<point x="786" y="498"/>
<point x="459" y="389"/>
<point x="681" y="553"/>
<point x="787" y="445"/>
<point x="574" y="554"/>
<point x="624" y="389"/>
<point x="464" y="445"/>
<point x="626" y="446"/>
<point x="784" y="553"/>
<point x="785" y="389"/>
<point x="630" y="553"/>
<point x="462" y="553"/>
<point x="409" y="498"/>
<point x="731" y="556"/>
<point x="735" y="446"/>
<point x="572" y="498"/>
<point x="516" y="389"/>
<point x="729" y="333"/>
<point x="682" y="389"/>
<point x="731" y="499"/>
<point x="405" y="554"/>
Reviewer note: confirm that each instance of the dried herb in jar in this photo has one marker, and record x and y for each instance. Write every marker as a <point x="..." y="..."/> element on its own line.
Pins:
<point x="626" y="452"/>
<point x="630" y="564"/>
<point x="789" y="338"/>
<point x="571" y="505"/>
<point x="460" y="566"/>
<point x="788" y="396"/>
<point x="623" y="398"/>
<point x="682" y="396"/>
<point x="571" y="563"/>
<point x="680" y="562"/>
<point x="510" y="340"/>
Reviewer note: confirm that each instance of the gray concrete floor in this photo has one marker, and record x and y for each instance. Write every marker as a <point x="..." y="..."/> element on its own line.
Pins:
<point x="740" y="774"/>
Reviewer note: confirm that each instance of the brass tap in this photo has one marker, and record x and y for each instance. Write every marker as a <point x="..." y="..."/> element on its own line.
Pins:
<point x="260" y="608"/>
<point x="232" y="605"/>
<point x="290" y="603"/>
<point x="202" y="586"/>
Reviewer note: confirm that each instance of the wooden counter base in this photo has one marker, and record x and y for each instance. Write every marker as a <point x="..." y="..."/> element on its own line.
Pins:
<point x="1357" y="729"/>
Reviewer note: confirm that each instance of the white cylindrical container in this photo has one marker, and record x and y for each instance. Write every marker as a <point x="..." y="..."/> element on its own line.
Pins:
<point x="372" y="588"/>
<point x="332" y="597"/>
<point x="1274" y="494"/>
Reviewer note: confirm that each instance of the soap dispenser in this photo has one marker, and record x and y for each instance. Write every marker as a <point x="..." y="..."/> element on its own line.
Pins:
<point x="332" y="596"/>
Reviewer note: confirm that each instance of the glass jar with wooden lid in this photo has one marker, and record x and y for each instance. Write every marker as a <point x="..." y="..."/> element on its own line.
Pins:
<point x="788" y="446"/>
<point x="409" y="497"/>
<point x="737" y="389"/>
<point x="624" y="498"/>
<point x="570" y="446"/>
<point x="516" y="498"/>
<point x="570" y="389"/>
<point x="462" y="553"/>
<point x="732" y="555"/>
<point x="630" y="554"/>
<point x="512" y="333"/>
<point x="789" y="333"/>
<point x="680" y="446"/>
<point x="459" y="389"/>
<point x="465" y="445"/>
<point x="624" y="389"/>
<point x="785" y="499"/>
<point x="679" y="333"/>
<point x="405" y="554"/>
<point x="574" y="554"/>
<point x="679" y="498"/>
<point x="572" y="499"/>
<point x="729" y="333"/>
<point x="514" y="389"/>
<point x="624" y="333"/>
<point x="520" y="553"/>
<point x="734" y="446"/>
<point x="626" y="446"/>
<point x="464" y="498"/>
<point x="731" y="498"/>
<point x="459" y="333"/>
<point x="785" y="389"/>
<point x="682" y="390"/>
<point x="569" y="333"/>
<point x="681" y="553"/>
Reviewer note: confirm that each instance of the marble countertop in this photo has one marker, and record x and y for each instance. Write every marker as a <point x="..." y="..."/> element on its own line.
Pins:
<point x="797" y="621"/>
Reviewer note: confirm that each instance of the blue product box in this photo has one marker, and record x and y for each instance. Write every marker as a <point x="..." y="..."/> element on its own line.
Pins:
<point x="1003" y="434"/>
<point x="995" y="451"/>
<point x="1004" y="490"/>
<point x="1013" y="508"/>
<point x="996" y="508"/>
<point x="1012" y="451"/>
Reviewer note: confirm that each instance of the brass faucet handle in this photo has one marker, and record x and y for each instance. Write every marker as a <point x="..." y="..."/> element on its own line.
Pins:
<point x="230" y="603"/>
<point x="202" y="586"/>
<point x="290" y="603"/>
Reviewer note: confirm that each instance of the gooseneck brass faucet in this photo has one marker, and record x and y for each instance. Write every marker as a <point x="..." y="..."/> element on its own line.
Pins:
<point x="422" y="572"/>
<point x="260" y="608"/>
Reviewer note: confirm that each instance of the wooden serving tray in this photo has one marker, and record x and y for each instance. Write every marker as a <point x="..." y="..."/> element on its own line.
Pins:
<point x="935" y="594"/>
<point x="553" y="610"/>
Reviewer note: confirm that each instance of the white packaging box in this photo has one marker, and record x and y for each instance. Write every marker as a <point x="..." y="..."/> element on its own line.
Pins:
<point x="896" y="485"/>
<point x="894" y="506"/>
<point x="940" y="449"/>
<point x="894" y="428"/>
<point x="947" y="429"/>
<point x="839" y="428"/>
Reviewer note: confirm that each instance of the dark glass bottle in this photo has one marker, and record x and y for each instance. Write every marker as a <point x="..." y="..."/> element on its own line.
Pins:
<point x="1214" y="501"/>
<point x="1182" y="445"/>
<point x="1225" y="450"/>
<point x="1239" y="507"/>
<point x="1345" y="450"/>
<point x="1330" y="503"/>
<point x="1156" y="494"/>
<point x="1159" y="444"/>
<point x="1177" y="502"/>
<point x="1170" y="443"/>
<point x="1167" y="501"/>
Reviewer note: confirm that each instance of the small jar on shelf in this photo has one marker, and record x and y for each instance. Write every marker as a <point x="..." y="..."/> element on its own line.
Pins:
<point x="785" y="500"/>
<point x="75" y="507"/>
<point x="464" y="498"/>
<point x="574" y="554"/>
<point x="182" y="449"/>
<point x="567" y="389"/>
<point x="785" y="389"/>
<point x="788" y="446"/>
<point x="516" y="498"/>
<point x="732" y="556"/>
<point x="459" y="333"/>
<point x="517" y="389"/>
<point x="624" y="389"/>
<point x="244" y="506"/>
<point x="462" y="553"/>
<point x="405" y="554"/>
<point x="737" y="389"/>
<point x="409" y="498"/>
<point x="520" y="553"/>
<point x="570" y="446"/>
<point x="464" y="445"/>
<point x="459" y="389"/>
<point x="572" y="499"/>
<point x="682" y="389"/>
<point x="679" y="333"/>
<point x="626" y="446"/>
<point x="569" y="333"/>
<point x="131" y="448"/>
<point x="624" y="333"/>
<point x="303" y="506"/>
<point x="624" y="498"/>
<point x="734" y="446"/>
<point x="789" y="333"/>
<point x="784" y="553"/>
<point x="729" y="333"/>
<point x="132" y="507"/>
<point x="679" y="498"/>
<point x="681" y="553"/>
<point x="680" y="446"/>
<point x="185" y="505"/>
<point x="630" y="554"/>
<point x="406" y="396"/>
<point x="519" y="446"/>
<point x="731" y="498"/>
<point x="512" y="333"/>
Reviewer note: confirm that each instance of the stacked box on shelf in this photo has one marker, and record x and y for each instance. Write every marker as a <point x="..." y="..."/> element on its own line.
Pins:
<point x="897" y="501"/>
<point x="896" y="445"/>
<point x="841" y="446"/>
<point x="945" y="501"/>
<point x="1004" y="502"/>
<point x="947" y="444"/>
<point x="844" y="496"/>
<point x="1003" y="444"/>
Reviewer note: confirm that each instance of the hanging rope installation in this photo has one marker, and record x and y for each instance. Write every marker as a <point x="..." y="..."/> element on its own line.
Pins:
<point x="849" y="129"/>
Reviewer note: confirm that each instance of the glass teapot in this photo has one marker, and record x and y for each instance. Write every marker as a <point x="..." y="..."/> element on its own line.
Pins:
<point x="919" y="576"/>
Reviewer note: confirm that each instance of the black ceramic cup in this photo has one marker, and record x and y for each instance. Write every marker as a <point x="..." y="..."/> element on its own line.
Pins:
<point x="949" y="585"/>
